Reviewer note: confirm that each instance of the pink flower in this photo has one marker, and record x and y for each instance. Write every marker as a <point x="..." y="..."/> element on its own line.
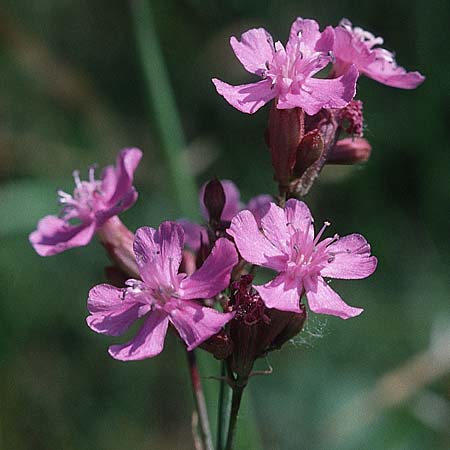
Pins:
<point x="287" y="245"/>
<point x="163" y="296"/>
<point x="195" y="234"/>
<point x="93" y="202"/>
<point x="353" y="45"/>
<point x="287" y="73"/>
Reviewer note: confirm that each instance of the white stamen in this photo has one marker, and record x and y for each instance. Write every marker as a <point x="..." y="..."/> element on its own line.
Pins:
<point x="76" y="177"/>
<point x="319" y="234"/>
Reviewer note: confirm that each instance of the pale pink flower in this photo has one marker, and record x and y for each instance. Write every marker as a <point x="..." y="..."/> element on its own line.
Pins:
<point x="285" y="242"/>
<point x="93" y="202"/>
<point x="287" y="73"/>
<point x="353" y="45"/>
<point x="163" y="296"/>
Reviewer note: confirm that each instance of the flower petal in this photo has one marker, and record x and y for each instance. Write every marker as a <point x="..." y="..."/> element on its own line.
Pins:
<point x="323" y="300"/>
<point x="299" y="216"/>
<point x="392" y="75"/>
<point x="253" y="245"/>
<point x="54" y="235"/>
<point x="282" y="293"/>
<point x="194" y="234"/>
<point x="111" y="313"/>
<point x="125" y="202"/>
<point x="350" y="50"/>
<point x="274" y="226"/>
<point x="259" y="206"/>
<point x="214" y="274"/>
<point x="254" y="50"/>
<point x="304" y="30"/>
<point x="126" y="163"/>
<point x="317" y="93"/>
<point x="147" y="343"/>
<point x="196" y="323"/>
<point x="159" y="253"/>
<point x="350" y="258"/>
<point x="247" y="98"/>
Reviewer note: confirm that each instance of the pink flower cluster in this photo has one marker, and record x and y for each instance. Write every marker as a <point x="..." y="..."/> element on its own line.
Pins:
<point x="197" y="279"/>
<point x="288" y="73"/>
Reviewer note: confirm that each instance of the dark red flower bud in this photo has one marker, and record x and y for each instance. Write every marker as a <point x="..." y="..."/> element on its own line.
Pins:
<point x="214" y="200"/>
<point x="220" y="345"/>
<point x="256" y="329"/>
<point x="308" y="152"/>
<point x="284" y="133"/>
<point x="293" y="324"/>
<point x="349" y="151"/>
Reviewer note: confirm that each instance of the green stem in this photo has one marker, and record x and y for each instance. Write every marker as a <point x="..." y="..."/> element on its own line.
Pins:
<point x="200" y="404"/>
<point x="238" y="390"/>
<point x="162" y="100"/>
<point x="224" y="407"/>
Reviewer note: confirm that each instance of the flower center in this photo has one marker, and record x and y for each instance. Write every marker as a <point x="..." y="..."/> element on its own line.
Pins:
<point x="84" y="201"/>
<point x="308" y="256"/>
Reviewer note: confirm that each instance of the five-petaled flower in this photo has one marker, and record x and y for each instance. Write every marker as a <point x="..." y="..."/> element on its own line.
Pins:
<point x="287" y="73"/>
<point x="286" y="244"/>
<point x="353" y="45"/>
<point x="93" y="202"/>
<point x="163" y="295"/>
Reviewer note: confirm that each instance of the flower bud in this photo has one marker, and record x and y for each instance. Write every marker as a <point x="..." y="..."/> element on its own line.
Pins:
<point x="349" y="151"/>
<point x="214" y="200"/>
<point x="220" y="345"/>
<point x="308" y="152"/>
<point x="255" y="329"/>
<point x="293" y="324"/>
<point x="284" y="133"/>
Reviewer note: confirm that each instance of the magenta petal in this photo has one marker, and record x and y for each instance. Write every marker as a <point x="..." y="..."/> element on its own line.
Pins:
<point x="349" y="258"/>
<point x="126" y="163"/>
<point x="274" y="226"/>
<point x="281" y="293"/>
<point x="391" y="75"/>
<point x="196" y="323"/>
<point x="115" y="322"/>
<point x="323" y="300"/>
<point x="127" y="200"/>
<point x="110" y="313"/>
<point x="147" y="343"/>
<point x="194" y="234"/>
<point x="299" y="216"/>
<point x="54" y="235"/>
<point x="214" y="274"/>
<point x="253" y="245"/>
<point x="259" y="206"/>
<point x="349" y="50"/>
<point x="159" y="252"/>
<point x="104" y="298"/>
<point x="305" y="30"/>
<point x="254" y="50"/>
<point x="247" y="98"/>
<point x="109" y="181"/>
<point x="317" y="93"/>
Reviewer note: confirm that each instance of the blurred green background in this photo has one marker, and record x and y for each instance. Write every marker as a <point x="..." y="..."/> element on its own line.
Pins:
<point x="73" y="92"/>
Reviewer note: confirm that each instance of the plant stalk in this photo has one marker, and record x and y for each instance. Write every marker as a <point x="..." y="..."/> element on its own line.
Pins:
<point x="199" y="400"/>
<point x="224" y="408"/>
<point x="238" y="390"/>
<point x="162" y="101"/>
